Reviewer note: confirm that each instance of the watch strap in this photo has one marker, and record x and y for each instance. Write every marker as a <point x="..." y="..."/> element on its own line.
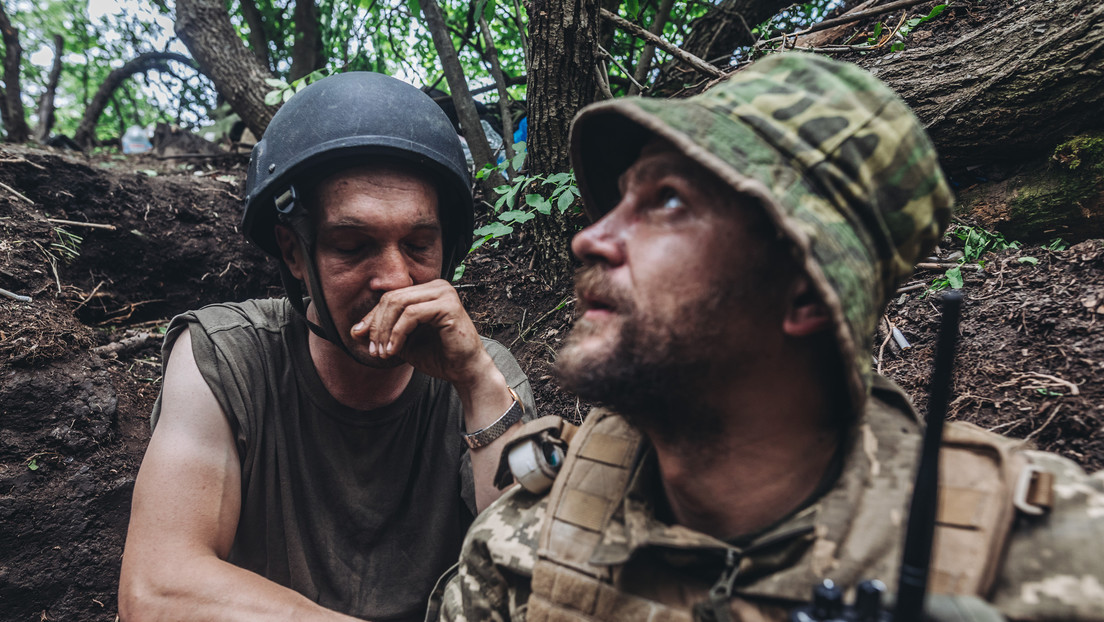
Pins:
<point x="487" y="435"/>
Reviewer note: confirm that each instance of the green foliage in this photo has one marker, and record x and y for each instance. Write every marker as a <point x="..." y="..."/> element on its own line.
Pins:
<point x="67" y="244"/>
<point x="976" y="243"/>
<point x="1057" y="244"/>
<point x="912" y="23"/>
<point x="510" y="210"/>
<point x="282" y="91"/>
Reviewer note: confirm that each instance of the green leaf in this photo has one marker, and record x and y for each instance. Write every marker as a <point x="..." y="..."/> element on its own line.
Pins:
<point x="458" y="273"/>
<point x="897" y="46"/>
<point x="538" y="203"/>
<point x="936" y="10"/>
<point x="565" y="201"/>
<point x="273" y="98"/>
<point x="525" y="217"/>
<point x="1029" y="260"/>
<point x="480" y="242"/>
<point x="315" y="76"/>
<point x="632" y="7"/>
<point x="33" y="464"/>
<point x="511" y="215"/>
<point x="488" y="10"/>
<point x="518" y="161"/>
<point x="954" y="277"/>
<point x="558" y="179"/>
<point x="276" y="83"/>
<point x="149" y="172"/>
<point x="287" y="95"/>
<point x="414" y="7"/>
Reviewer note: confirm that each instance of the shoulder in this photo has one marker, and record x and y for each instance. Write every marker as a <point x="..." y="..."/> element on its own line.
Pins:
<point x="1053" y="568"/>
<point x="505" y="535"/>
<point x="267" y="314"/>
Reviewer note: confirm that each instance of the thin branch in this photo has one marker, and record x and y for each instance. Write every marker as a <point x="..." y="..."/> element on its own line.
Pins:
<point x="846" y="19"/>
<point x="644" y="63"/>
<point x="77" y="223"/>
<point x="613" y="60"/>
<point x="15" y="192"/>
<point x="14" y="296"/>
<point x="670" y="48"/>
<point x="503" y="95"/>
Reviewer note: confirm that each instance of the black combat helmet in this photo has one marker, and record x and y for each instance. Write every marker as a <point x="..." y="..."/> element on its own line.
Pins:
<point x="339" y="121"/>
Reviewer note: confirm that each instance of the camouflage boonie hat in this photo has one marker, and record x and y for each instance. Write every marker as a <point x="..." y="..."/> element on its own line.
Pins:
<point x="837" y="160"/>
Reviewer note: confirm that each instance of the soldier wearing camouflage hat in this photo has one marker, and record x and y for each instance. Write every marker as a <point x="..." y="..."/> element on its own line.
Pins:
<point x="744" y="243"/>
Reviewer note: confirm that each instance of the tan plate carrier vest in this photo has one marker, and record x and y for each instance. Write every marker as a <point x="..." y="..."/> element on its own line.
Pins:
<point x="979" y="476"/>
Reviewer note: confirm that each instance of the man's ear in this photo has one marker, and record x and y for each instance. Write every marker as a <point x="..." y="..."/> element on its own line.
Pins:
<point x="290" y="250"/>
<point x="807" y="314"/>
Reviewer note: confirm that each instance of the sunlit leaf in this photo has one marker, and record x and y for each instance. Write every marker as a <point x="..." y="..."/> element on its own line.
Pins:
<point x="954" y="277"/>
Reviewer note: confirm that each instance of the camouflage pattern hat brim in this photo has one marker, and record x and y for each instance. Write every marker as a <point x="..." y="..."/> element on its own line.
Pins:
<point x="840" y="164"/>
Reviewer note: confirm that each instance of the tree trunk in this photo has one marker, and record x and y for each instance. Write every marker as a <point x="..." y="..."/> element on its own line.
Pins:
<point x="258" y="38"/>
<point x="204" y="27"/>
<point x="306" y="52"/>
<point x="500" y="84"/>
<point x="1010" y="90"/>
<point x="716" y="35"/>
<point x="560" y="66"/>
<point x="86" y="131"/>
<point x="14" y="120"/>
<point x="1060" y="194"/>
<point x="458" y="85"/>
<point x="46" y="102"/>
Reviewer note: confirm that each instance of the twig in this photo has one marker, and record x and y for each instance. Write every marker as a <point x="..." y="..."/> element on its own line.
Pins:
<point x="911" y="288"/>
<point x="1074" y="390"/>
<point x="26" y="161"/>
<point x="529" y="331"/>
<point x="671" y="49"/>
<point x="14" y="296"/>
<point x="881" y="349"/>
<point x="89" y="296"/>
<point x="944" y="265"/>
<point x="621" y="67"/>
<point x="846" y="19"/>
<point x="15" y="192"/>
<point x="123" y="345"/>
<point x="1053" y="414"/>
<point x="77" y="223"/>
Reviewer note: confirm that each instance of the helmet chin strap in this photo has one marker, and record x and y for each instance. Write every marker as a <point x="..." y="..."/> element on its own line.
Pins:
<point x="326" y="328"/>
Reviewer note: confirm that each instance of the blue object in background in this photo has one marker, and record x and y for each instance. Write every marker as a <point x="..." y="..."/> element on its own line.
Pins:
<point x="522" y="132"/>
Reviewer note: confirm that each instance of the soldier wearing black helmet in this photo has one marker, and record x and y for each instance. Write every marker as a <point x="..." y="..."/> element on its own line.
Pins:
<point x="322" y="454"/>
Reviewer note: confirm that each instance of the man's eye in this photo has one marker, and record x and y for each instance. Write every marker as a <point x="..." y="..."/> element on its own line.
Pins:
<point x="671" y="200"/>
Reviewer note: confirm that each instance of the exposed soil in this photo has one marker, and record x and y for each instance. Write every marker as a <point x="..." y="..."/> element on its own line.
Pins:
<point x="74" y="419"/>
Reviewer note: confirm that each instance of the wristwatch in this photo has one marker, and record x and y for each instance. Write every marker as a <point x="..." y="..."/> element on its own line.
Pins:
<point x="485" y="436"/>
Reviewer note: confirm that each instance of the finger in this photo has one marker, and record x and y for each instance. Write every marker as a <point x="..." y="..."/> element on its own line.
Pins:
<point x="378" y="325"/>
<point x="429" y="313"/>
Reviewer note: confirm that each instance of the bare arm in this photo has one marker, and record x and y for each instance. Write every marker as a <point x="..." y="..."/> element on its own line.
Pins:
<point x="187" y="500"/>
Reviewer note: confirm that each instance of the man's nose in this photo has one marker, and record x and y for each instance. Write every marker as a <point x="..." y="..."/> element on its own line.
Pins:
<point x="391" y="271"/>
<point x="601" y="242"/>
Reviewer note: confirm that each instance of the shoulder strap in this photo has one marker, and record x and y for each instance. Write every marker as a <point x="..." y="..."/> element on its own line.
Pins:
<point x="980" y="476"/>
<point x="588" y="489"/>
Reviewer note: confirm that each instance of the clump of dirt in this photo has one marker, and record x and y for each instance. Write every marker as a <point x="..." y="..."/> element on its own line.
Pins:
<point x="75" y="408"/>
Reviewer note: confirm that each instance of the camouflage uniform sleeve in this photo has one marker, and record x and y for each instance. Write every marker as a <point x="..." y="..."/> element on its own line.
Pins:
<point x="496" y="563"/>
<point x="1053" y="568"/>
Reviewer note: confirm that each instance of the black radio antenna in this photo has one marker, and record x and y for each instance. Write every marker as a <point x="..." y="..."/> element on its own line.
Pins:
<point x="916" y="558"/>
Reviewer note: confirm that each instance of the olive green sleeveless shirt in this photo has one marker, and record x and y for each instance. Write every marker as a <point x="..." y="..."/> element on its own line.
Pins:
<point x="359" y="511"/>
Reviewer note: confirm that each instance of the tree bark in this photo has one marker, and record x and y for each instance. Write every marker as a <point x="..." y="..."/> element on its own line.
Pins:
<point x="46" y="102"/>
<point x="86" y="131"/>
<point x="14" y="120"/>
<point x="560" y="66"/>
<point x="458" y="85"/>
<point x="306" y="52"/>
<point x="1010" y="90"/>
<point x="204" y="27"/>
<point x="716" y="35"/>
<point x="258" y="38"/>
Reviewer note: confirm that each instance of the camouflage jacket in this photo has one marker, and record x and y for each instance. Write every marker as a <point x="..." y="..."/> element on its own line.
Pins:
<point x="1053" y="568"/>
